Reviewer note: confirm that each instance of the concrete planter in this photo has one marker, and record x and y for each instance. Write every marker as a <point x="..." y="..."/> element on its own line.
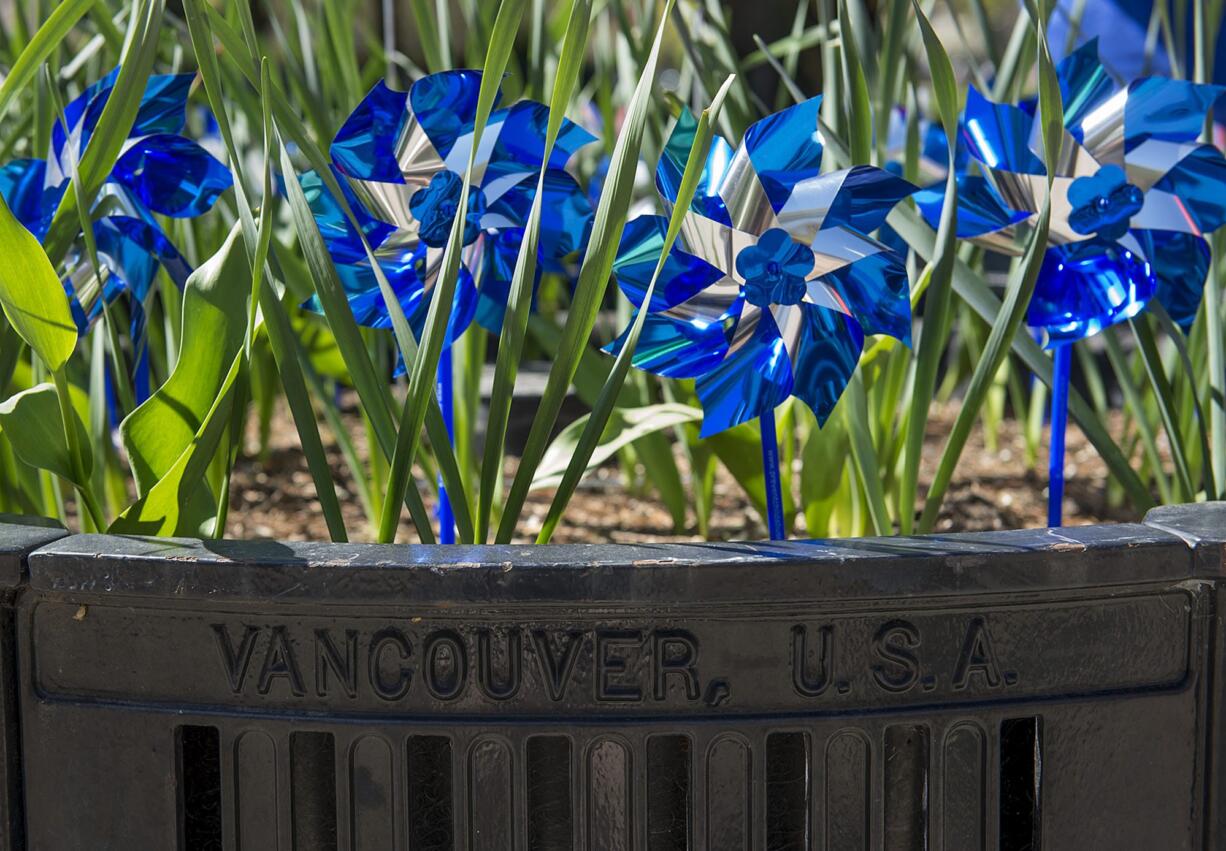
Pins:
<point x="1020" y="690"/>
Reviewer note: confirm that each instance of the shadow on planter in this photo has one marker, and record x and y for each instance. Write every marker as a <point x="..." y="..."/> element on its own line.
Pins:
<point x="1009" y="691"/>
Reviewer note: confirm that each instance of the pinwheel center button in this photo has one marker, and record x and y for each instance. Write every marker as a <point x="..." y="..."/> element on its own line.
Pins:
<point x="775" y="269"/>
<point x="435" y="207"/>
<point x="1104" y="204"/>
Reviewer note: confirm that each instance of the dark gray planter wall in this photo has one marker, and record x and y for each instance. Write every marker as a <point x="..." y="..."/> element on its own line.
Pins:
<point x="19" y="536"/>
<point x="1009" y="691"/>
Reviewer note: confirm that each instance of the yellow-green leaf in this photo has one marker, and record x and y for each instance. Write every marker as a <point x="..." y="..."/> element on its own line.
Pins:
<point x="31" y="294"/>
<point x="32" y="423"/>
<point x="214" y="325"/>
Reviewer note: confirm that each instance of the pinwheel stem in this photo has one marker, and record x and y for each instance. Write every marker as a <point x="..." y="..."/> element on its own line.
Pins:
<point x="1062" y="359"/>
<point x="140" y="374"/>
<point x="770" y="469"/>
<point x="446" y="401"/>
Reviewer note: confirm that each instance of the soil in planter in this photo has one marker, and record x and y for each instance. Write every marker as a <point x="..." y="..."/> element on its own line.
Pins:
<point x="275" y="498"/>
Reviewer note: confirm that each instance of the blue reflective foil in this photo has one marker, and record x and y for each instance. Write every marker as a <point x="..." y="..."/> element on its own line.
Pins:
<point x="21" y="184"/>
<point x="747" y="383"/>
<point x="1181" y="263"/>
<point x="683" y="275"/>
<point x="981" y="210"/>
<point x="344" y="243"/>
<point x="566" y="213"/>
<point x="132" y="237"/>
<point x="829" y="352"/>
<point x="676" y="348"/>
<point x="786" y="148"/>
<point x="1170" y="110"/>
<point x="998" y="135"/>
<point x="172" y="175"/>
<point x="1199" y="182"/>
<point x="866" y="197"/>
<point x="521" y="141"/>
<point x="936" y="147"/>
<point x="566" y="220"/>
<point x="369" y="309"/>
<point x="671" y="168"/>
<point x="446" y="106"/>
<point x="877" y="293"/>
<point x="163" y="108"/>
<point x="83" y="110"/>
<point x="497" y="272"/>
<point x="365" y="146"/>
<point x="1084" y="85"/>
<point x="1085" y="286"/>
<point x="132" y="249"/>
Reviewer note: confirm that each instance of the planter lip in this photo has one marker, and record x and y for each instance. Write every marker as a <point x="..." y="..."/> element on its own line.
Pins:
<point x="19" y="536"/>
<point x="273" y="572"/>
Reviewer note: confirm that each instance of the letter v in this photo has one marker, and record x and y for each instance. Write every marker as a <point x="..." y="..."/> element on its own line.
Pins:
<point x="234" y="661"/>
<point x="557" y="671"/>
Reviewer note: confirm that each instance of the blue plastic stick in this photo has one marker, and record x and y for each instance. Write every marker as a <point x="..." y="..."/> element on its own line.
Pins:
<point x="140" y="375"/>
<point x="1062" y="359"/>
<point x="446" y="519"/>
<point x="770" y="469"/>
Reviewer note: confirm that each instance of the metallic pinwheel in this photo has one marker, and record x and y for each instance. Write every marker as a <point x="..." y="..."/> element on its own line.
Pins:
<point x="158" y="171"/>
<point x="774" y="281"/>
<point x="400" y="159"/>
<point x="1132" y="198"/>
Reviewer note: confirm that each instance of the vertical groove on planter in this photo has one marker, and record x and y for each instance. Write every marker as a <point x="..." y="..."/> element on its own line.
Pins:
<point x="431" y="795"/>
<point x="313" y="790"/>
<point x="608" y="797"/>
<point x="847" y="792"/>
<point x="964" y="782"/>
<point x="550" y="819"/>
<point x="1021" y="763"/>
<point x="199" y="764"/>
<point x="906" y="787"/>
<point x="668" y="793"/>
<point x="255" y="799"/>
<point x="787" y="792"/>
<point x="729" y="786"/>
<point x="371" y="795"/>
<point x="490" y="796"/>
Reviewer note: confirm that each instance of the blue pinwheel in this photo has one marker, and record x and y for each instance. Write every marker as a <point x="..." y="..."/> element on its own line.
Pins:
<point x="400" y="159"/>
<point x="1133" y="195"/>
<point x="773" y="283"/>
<point x="158" y="171"/>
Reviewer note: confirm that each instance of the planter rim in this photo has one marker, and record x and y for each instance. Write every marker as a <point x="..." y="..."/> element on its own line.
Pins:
<point x="18" y="536"/>
<point x="273" y="572"/>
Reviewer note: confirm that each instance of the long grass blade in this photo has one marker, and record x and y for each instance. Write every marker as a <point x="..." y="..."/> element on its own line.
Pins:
<point x="425" y="366"/>
<point x="1147" y="348"/>
<point x="45" y="42"/>
<point x="519" y="303"/>
<point x="595" y="427"/>
<point x="285" y="346"/>
<point x="938" y="301"/>
<point x="593" y="280"/>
